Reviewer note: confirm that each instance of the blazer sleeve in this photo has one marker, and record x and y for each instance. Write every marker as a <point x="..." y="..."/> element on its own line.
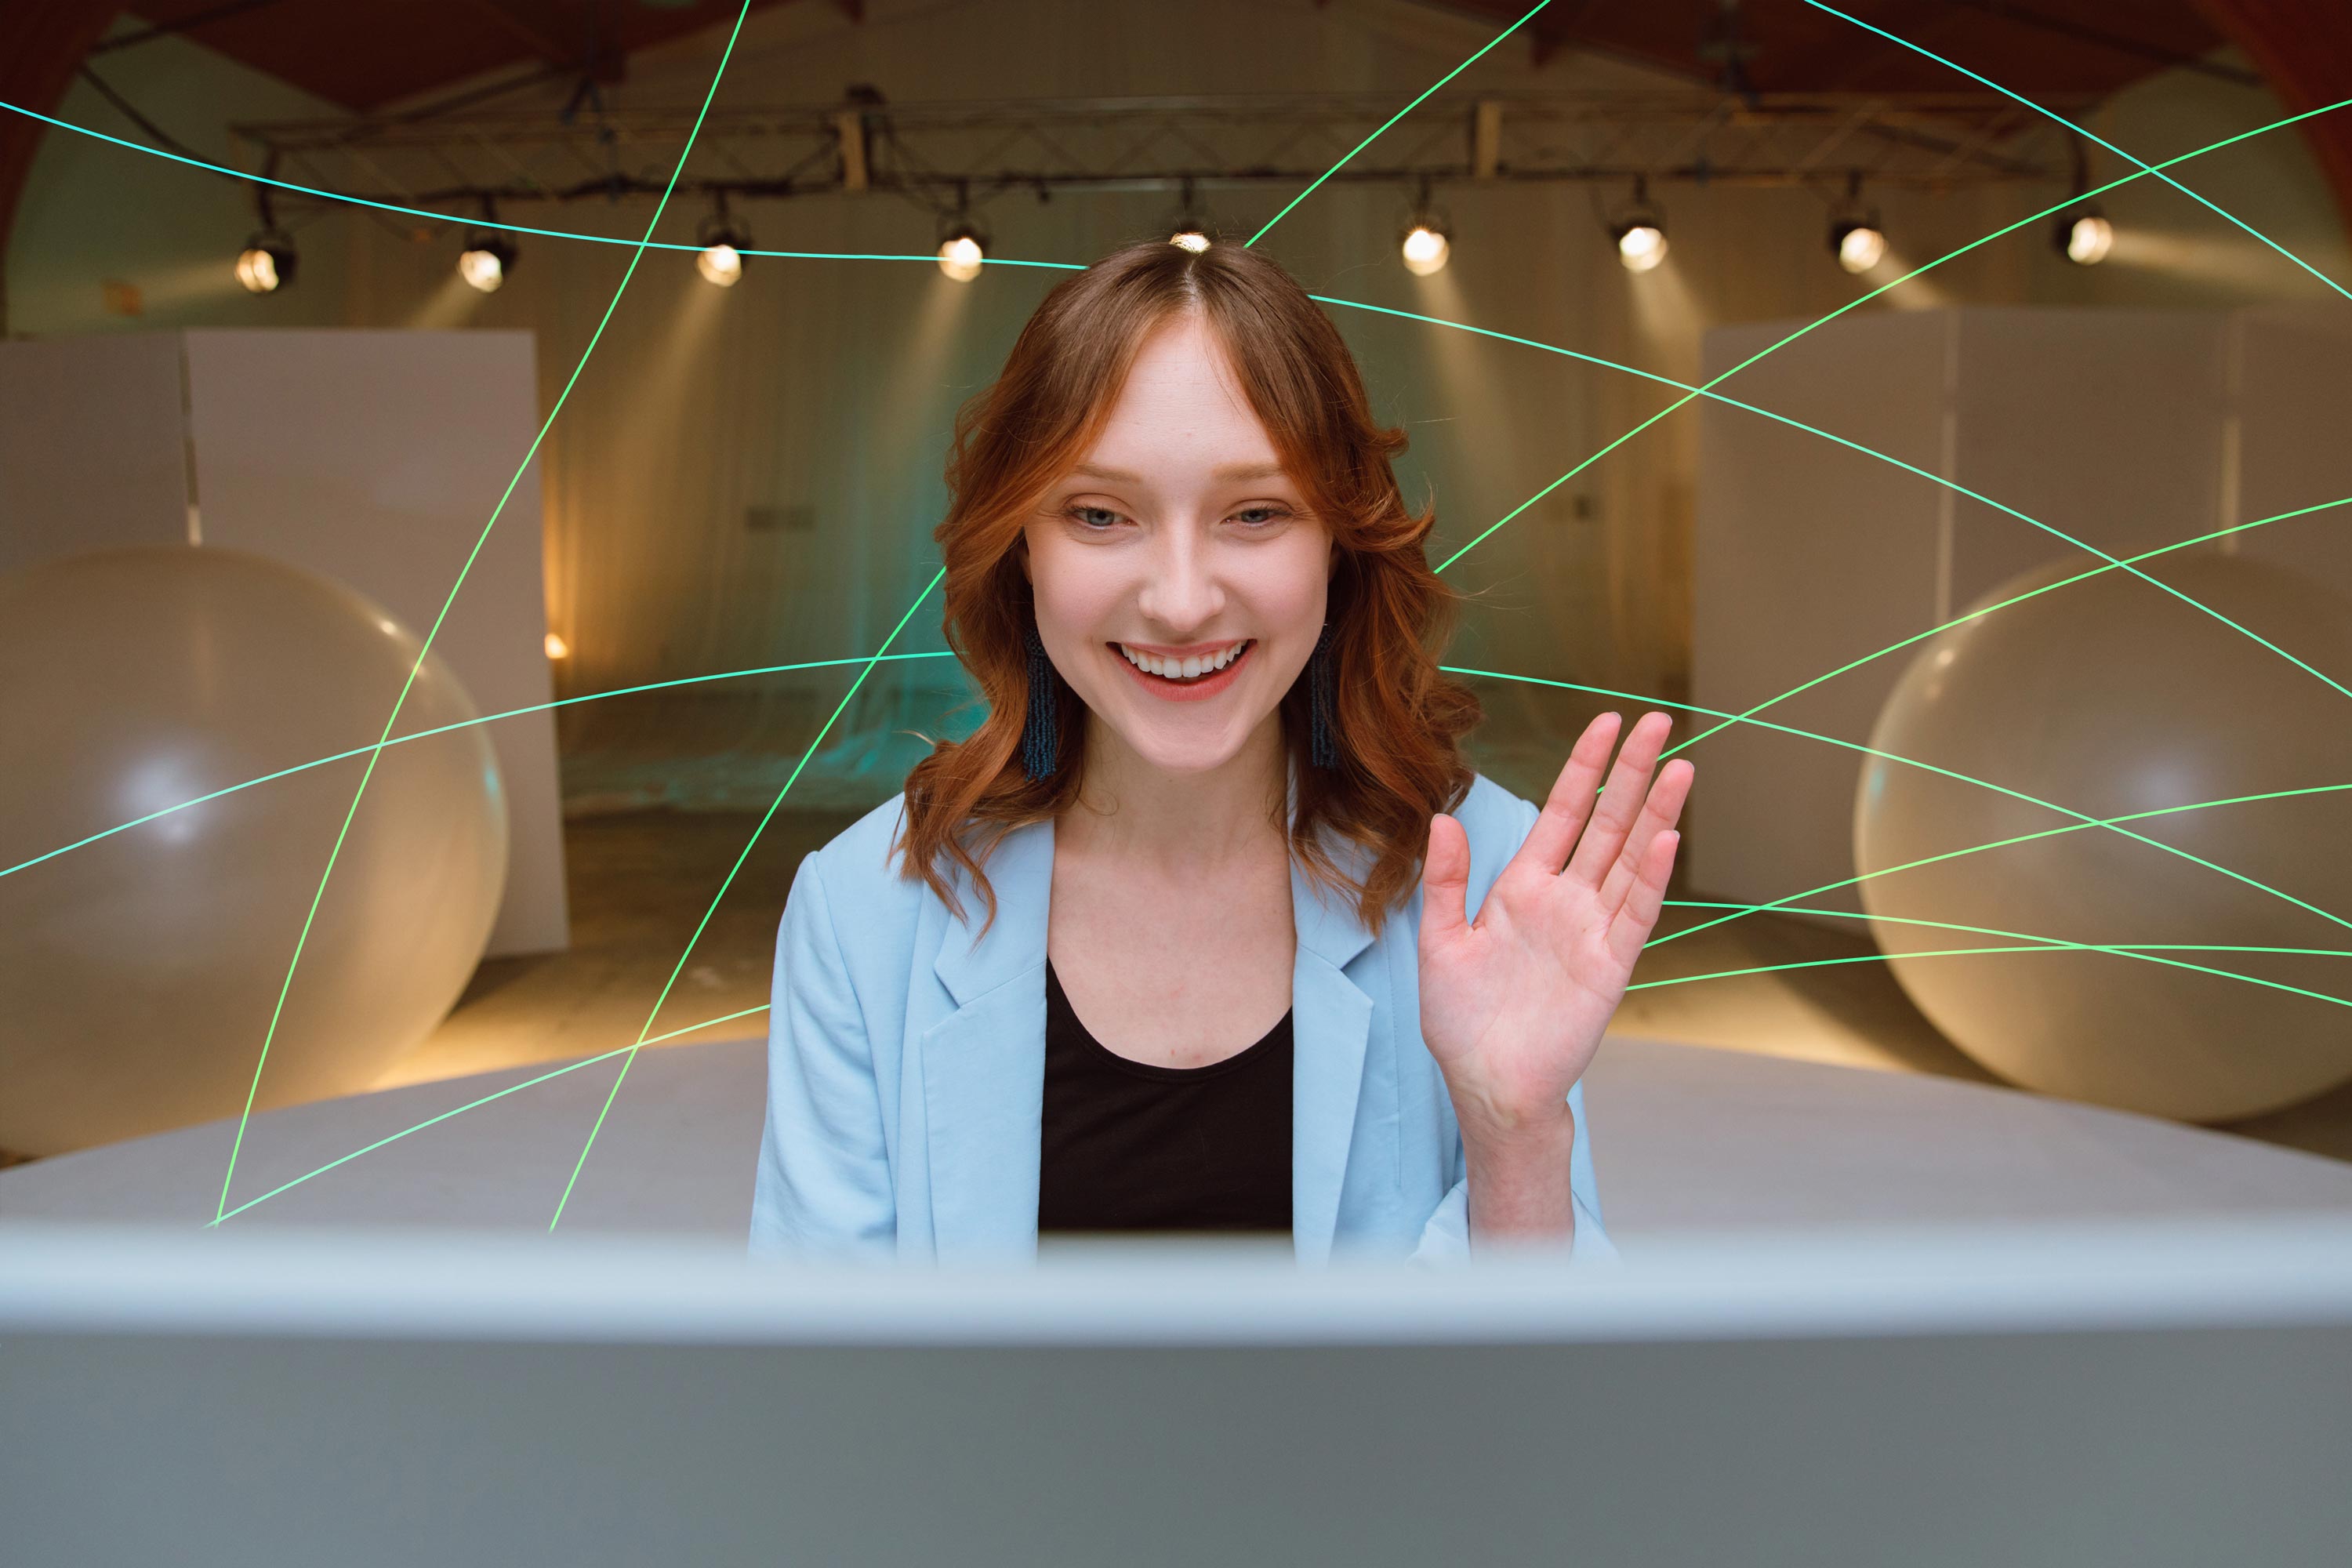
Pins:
<point x="1446" y="1238"/>
<point x="824" y="1185"/>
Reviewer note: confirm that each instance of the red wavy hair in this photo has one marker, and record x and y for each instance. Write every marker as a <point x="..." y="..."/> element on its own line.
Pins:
<point x="1397" y="719"/>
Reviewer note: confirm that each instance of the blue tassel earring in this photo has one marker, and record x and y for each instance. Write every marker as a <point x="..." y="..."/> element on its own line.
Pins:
<point x="1041" y="739"/>
<point x="1323" y="748"/>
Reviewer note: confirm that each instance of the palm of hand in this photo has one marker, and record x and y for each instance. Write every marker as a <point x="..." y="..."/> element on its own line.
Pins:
<point x="1513" y="1008"/>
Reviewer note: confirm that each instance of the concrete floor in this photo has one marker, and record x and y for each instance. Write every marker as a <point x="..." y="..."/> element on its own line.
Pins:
<point x="641" y="882"/>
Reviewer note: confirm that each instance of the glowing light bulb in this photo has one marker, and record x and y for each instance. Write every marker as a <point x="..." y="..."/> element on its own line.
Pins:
<point x="1860" y="247"/>
<point x="2089" y="239"/>
<point x="267" y="262"/>
<point x="722" y="263"/>
<point x="257" y="270"/>
<point x="1640" y="247"/>
<point x="960" y="255"/>
<point x="557" y="647"/>
<point x="483" y="270"/>
<point x="1425" y="250"/>
<point x="1191" y="239"/>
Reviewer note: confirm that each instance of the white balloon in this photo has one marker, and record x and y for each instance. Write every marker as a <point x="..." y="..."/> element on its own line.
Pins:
<point x="2110" y="696"/>
<point x="138" y="973"/>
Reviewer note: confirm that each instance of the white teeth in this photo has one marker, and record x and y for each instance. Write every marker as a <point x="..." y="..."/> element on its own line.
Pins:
<point x="1185" y="669"/>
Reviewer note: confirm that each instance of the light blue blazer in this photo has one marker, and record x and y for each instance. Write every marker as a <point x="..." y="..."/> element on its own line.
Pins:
<point x="907" y="1067"/>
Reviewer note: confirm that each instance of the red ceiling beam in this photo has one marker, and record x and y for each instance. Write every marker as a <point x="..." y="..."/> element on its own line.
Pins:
<point x="2303" y="49"/>
<point x="46" y="42"/>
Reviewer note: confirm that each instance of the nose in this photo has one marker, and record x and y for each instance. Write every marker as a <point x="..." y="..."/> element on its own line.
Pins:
<point x="1181" y="591"/>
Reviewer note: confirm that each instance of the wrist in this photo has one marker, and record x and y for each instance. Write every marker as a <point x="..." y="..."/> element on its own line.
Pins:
<point x="1520" y="1186"/>
<point x="1513" y="1141"/>
<point x="1489" y="1122"/>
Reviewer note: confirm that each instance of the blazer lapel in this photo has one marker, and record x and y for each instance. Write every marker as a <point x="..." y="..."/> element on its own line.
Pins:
<point x="983" y="1066"/>
<point x="1331" y="1022"/>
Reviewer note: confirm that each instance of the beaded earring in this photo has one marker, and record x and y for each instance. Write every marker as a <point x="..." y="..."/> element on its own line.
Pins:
<point x="1323" y="747"/>
<point x="1041" y="740"/>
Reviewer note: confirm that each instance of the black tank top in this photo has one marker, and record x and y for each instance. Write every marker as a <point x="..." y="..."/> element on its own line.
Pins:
<point x="1130" y="1146"/>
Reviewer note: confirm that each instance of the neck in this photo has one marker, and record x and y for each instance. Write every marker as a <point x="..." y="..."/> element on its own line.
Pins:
<point x="1178" y="824"/>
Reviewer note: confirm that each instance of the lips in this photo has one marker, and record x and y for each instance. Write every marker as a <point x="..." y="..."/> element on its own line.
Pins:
<point x="1187" y="691"/>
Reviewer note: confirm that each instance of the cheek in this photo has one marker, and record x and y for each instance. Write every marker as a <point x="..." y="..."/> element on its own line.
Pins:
<point x="1072" y="592"/>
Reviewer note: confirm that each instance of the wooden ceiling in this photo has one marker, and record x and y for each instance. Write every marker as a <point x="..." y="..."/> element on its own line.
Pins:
<point x="2069" y="46"/>
<point x="363" y="54"/>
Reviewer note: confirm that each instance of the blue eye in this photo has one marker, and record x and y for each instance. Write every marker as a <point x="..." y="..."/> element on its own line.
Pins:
<point x="1076" y="514"/>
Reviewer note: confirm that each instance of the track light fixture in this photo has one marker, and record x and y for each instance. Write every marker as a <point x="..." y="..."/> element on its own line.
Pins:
<point x="723" y="243"/>
<point x="2083" y="236"/>
<point x="1427" y="241"/>
<point x="1855" y="237"/>
<point x="1640" y="231"/>
<point x="1189" y="227"/>
<point x="267" y="262"/>
<point x="963" y="247"/>
<point x="488" y="256"/>
<point x="2082" y="233"/>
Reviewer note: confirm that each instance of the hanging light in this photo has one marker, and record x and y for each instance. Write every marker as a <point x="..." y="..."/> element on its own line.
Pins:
<point x="963" y="245"/>
<point x="2082" y="233"/>
<point x="723" y="244"/>
<point x="487" y="261"/>
<point x="266" y="263"/>
<point x="2083" y="236"/>
<point x="1427" y="241"/>
<point x="1640" y="231"/>
<point x="1855" y="237"/>
<point x="1425" y="249"/>
<point x="489" y="255"/>
<point x="1189" y="228"/>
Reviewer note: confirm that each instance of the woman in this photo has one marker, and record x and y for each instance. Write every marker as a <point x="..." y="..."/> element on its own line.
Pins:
<point x="1228" y="978"/>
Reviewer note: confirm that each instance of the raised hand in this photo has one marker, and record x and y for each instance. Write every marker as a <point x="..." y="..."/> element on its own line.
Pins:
<point x="1512" y="1006"/>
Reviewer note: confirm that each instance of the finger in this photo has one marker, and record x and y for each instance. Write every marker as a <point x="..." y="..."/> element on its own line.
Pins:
<point x="1444" y="879"/>
<point x="1564" y="810"/>
<point x="1660" y="812"/>
<point x="1629" y="782"/>
<point x="1630" y="929"/>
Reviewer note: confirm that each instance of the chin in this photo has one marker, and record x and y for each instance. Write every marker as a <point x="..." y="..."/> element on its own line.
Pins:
<point x="1180" y="757"/>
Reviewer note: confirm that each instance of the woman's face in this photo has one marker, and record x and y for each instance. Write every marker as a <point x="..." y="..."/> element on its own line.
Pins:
<point x="1180" y="534"/>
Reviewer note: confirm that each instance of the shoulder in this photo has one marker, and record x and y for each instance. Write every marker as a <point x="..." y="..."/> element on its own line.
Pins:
<point x="858" y="865"/>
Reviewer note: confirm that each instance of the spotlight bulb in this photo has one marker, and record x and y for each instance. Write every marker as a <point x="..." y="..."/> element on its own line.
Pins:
<point x="1640" y="244"/>
<point x="2084" y="237"/>
<point x="962" y="253"/>
<point x="486" y="263"/>
<point x="1189" y="238"/>
<point x="267" y="262"/>
<point x="1425" y="249"/>
<point x="722" y="264"/>
<point x="1859" y="246"/>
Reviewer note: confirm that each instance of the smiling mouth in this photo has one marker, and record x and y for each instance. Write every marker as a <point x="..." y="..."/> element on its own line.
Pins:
<point x="1200" y="680"/>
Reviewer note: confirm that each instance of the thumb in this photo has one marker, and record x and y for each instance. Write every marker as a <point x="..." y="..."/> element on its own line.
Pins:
<point x="1444" y="879"/>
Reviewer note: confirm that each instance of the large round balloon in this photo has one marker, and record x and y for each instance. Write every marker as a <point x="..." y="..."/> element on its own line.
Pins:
<point x="2110" y="696"/>
<point x="138" y="974"/>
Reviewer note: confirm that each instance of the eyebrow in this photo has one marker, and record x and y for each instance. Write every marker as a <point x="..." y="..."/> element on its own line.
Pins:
<point x="1230" y="472"/>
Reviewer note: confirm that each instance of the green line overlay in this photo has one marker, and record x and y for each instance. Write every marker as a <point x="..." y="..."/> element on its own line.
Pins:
<point x="277" y="1011"/>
